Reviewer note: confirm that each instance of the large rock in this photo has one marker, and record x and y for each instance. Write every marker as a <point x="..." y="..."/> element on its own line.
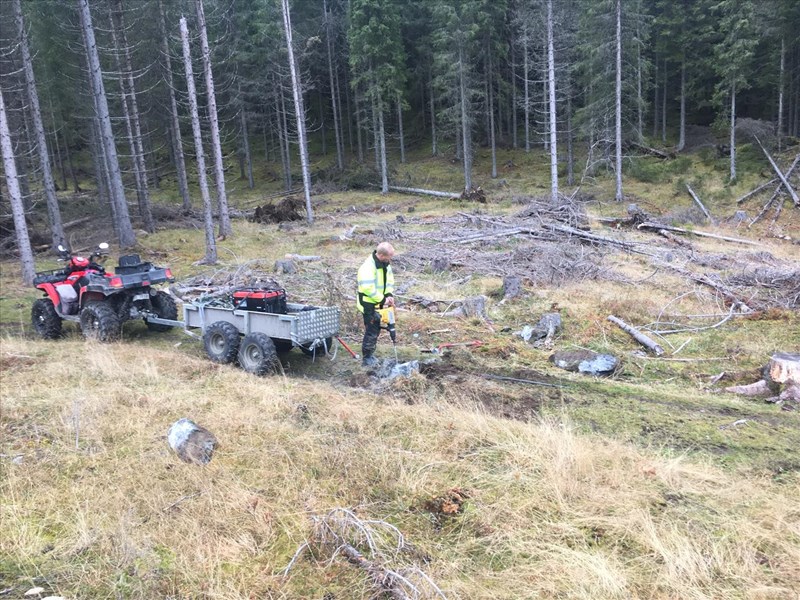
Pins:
<point x="585" y="361"/>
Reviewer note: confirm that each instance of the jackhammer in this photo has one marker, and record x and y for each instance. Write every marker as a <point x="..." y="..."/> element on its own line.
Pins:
<point x="387" y="323"/>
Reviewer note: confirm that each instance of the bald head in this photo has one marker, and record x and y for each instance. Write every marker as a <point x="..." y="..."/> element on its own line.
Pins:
<point x="384" y="252"/>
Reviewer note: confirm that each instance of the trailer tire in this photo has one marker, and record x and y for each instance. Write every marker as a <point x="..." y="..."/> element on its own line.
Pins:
<point x="164" y="306"/>
<point x="221" y="341"/>
<point x="309" y="350"/>
<point x="100" y="322"/>
<point x="282" y="346"/>
<point x="45" y="319"/>
<point x="257" y="354"/>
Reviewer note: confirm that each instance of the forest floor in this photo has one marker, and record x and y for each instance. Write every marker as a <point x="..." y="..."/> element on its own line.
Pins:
<point x="652" y="482"/>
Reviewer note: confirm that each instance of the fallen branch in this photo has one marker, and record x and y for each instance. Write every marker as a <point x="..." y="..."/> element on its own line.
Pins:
<point x="594" y="238"/>
<point x="653" y="151"/>
<point x="637" y="335"/>
<point x="728" y="294"/>
<point x="658" y="226"/>
<point x="676" y="240"/>
<point x="438" y="194"/>
<point x="782" y="177"/>
<point x="700" y="204"/>
<point x="302" y="258"/>
<point x="757" y="190"/>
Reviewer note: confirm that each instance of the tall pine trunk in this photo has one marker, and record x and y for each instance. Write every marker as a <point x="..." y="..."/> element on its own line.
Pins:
<point x="551" y="86"/>
<point x="208" y="216"/>
<point x="299" y="110"/>
<point x="400" y="129"/>
<point x="248" y="159"/>
<point x="127" y="238"/>
<point x="382" y="139"/>
<point x="490" y="88"/>
<point x="682" y="125"/>
<point x="225" y="228"/>
<point x="175" y="124"/>
<point x="618" y="104"/>
<point x="53" y="210"/>
<point x="513" y="98"/>
<point x="15" y="197"/>
<point x="434" y="150"/>
<point x="664" y="107"/>
<point x="781" y="77"/>
<point x="527" y="99"/>
<point x="334" y="91"/>
<point x="733" y="132"/>
<point x="466" y="129"/>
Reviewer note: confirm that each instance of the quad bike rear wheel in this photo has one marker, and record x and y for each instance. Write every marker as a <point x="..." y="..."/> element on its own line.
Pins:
<point x="100" y="322"/>
<point x="164" y="306"/>
<point x="45" y="319"/>
<point x="221" y="341"/>
<point x="257" y="354"/>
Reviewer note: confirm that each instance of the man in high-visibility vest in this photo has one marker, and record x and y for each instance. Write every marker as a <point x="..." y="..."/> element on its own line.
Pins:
<point x="375" y="290"/>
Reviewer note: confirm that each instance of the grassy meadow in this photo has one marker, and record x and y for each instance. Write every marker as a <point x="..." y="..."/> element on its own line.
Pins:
<point x="651" y="483"/>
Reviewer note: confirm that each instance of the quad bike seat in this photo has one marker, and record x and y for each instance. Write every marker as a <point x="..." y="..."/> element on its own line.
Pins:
<point x="132" y="263"/>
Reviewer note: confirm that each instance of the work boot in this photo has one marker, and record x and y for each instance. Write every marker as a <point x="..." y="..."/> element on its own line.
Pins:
<point x="369" y="361"/>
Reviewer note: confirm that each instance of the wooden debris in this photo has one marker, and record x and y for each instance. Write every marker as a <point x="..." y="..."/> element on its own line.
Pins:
<point x="781" y="176"/>
<point x="302" y="258"/>
<point x="637" y="335"/>
<point x="752" y="193"/>
<point x="658" y="226"/>
<point x="700" y="204"/>
<point x="512" y="287"/>
<point x="675" y="240"/>
<point x="759" y="388"/>
<point x="594" y="238"/>
<point x="191" y="442"/>
<point x="783" y="367"/>
<point x="470" y="307"/>
<point x="285" y="266"/>
<point x="438" y="194"/>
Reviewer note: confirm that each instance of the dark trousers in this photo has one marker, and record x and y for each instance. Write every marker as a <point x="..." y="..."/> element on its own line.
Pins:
<point x="372" y="325"/>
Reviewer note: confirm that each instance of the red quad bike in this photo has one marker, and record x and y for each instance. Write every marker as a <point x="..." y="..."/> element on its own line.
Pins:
<point x="101" y="301"/>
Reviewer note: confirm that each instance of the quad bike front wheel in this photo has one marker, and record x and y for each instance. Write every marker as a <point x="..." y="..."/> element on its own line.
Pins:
<point x="100" y="322"/>
<point x="164" y="306"/>
<point x="45" y="319"/>
<point x="257" y="354"/>
<point x="221" y="341"/>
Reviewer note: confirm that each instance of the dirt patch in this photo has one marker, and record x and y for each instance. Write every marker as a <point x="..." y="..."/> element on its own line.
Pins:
<point x="287" y="209"/>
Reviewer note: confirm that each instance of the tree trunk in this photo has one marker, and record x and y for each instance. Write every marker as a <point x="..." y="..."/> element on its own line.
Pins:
<point x="527" y="99"/>
<point x="490" y="88"/>
<point x="248" y="159"/>
<point x="376" y="141"/>
<point x="359" y="140"/>
<point x="570" y="154"/>
<point x="175" y="124"/>
<point x="551" y="86"/>
<point x="299" y="110"/>
<point x="618" y="114"/>
<point x="513" y="98"/>
<point x="655" y="99"/>
<point x="664" y="107"/>
<point x="733" y="132"/>
<point x="434" y="151"/>
<point x="286" y="154"/>
<point x="225" y="228"/>
<point x="465" y="122"/>
<point x="208" y="217"/>
<point x="334" y="91"/>
<point x="131" y="116"/>
<point x="639" y="98"/>
<point x="779" y="133"/>
<point x="682" y="126"/>
<point x="382" y="140"/>
<point x="400" y="129"/>
<point x="53" y="210"/>
<point x="15" y="198"/>
<point x="127" y="238"/>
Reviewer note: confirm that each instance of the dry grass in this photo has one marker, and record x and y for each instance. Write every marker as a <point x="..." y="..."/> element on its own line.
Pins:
<point x="552" y="513"/>
<point x="631" y="487"/>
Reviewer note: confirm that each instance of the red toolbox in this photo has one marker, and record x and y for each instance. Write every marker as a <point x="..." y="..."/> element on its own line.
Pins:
<point x="261" y="300"/>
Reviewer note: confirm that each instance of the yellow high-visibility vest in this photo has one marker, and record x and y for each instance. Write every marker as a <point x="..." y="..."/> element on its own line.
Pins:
<point x="374" y="283"/>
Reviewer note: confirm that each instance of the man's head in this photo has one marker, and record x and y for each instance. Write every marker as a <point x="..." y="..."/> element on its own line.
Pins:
<point x="384" y="252"/>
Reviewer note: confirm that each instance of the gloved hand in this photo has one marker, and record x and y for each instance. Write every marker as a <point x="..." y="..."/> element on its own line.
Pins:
<point x="389" y="301"/>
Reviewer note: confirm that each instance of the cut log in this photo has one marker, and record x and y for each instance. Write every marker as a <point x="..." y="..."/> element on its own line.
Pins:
<point x="637" y="335"/>
<point x="438" y="194"/>
<point x="301" y="257"/>
<point x="658" y="226"/>
<point x="783" y="367"/>
<point x="700" y="204"/>
<point x="782" y="177"/>
<point x="674" y="239"/>
<point x="759" y="388"/>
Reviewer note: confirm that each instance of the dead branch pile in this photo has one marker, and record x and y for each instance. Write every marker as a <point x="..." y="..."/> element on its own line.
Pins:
<point x="772" y="287"/>
<point x="375" y="547"/>
<point x="474" y="195"/>
<point x="222" y="282"/>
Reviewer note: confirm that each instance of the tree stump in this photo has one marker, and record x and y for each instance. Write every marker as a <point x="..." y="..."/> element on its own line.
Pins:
<point x="285" y="266"/>
<point x="440" y="264"/>
<point x="512" y="287"/>
<point x="191" y="442"/>
<point x="783" y="367"/>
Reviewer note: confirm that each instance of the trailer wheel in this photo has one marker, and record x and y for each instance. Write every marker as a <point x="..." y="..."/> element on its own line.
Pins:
<point x="100" y="322"/>
<point x="310" y="350"/>
<point x="282" y="346"/>
<point x="164" y="306"/>
<point x="45" y="319"/>
<point x="257" y="354"/>
<point x="221" y="341"/>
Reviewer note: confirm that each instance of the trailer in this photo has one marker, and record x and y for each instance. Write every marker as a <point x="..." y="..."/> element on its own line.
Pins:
<point x="255" y="338"/>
